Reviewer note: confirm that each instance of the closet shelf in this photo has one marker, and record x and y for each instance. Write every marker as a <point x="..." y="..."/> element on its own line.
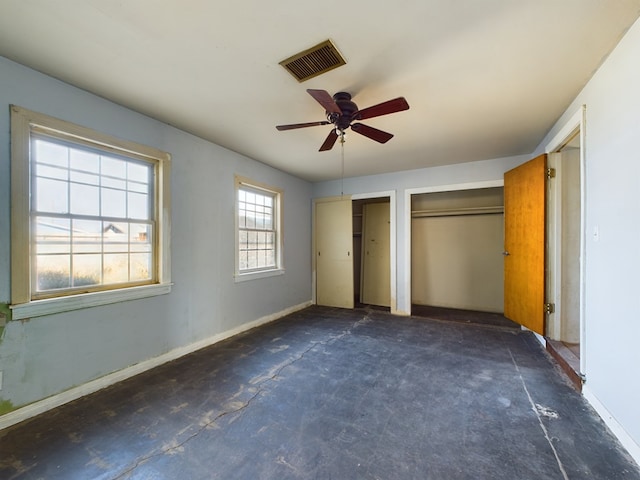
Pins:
<point x="458" y="211"/>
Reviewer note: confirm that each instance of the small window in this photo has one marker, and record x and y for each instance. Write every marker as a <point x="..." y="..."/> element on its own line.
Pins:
<point x="258" y="245"/>
<point x="89" y="207"/>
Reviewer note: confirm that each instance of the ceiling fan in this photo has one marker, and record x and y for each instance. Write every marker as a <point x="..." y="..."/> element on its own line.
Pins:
<point x="342" y="112"/>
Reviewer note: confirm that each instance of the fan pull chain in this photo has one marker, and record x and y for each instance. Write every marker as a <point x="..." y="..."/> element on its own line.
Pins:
<point x="342" y="171"/>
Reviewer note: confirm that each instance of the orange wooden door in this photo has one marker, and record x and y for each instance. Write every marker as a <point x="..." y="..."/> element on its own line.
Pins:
<point x="524" y="243"/>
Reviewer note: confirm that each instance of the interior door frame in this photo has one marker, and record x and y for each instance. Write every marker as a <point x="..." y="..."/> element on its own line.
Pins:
<point x="575" y="122"/>
<point x="406" y="307"/>
<point x="391" y="195"/>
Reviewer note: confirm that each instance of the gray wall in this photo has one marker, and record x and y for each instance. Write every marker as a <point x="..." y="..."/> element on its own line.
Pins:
<point x="47" y="355"/>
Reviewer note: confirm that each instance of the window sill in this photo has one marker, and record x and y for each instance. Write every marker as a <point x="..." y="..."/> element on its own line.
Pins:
<point x="49" y="306"/>
<point x="243" y="277"/>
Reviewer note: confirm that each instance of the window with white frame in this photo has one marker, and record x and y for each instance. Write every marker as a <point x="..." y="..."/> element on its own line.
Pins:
<point x="89" y="217"/>
<point x="258" y="245"/>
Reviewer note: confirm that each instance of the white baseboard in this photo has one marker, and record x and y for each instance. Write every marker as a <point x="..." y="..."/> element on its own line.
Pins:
<point x="618" y="430"/>
<point x="92" y="386"/>
<point x="540" y="338"/>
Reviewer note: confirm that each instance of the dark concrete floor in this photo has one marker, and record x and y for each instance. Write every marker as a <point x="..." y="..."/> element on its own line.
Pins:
<point x="332" y="394"/>
<point x="463" y="316"/>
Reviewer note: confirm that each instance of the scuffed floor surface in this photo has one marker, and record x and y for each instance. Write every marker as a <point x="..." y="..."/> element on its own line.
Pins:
<point x="332" y="394"/>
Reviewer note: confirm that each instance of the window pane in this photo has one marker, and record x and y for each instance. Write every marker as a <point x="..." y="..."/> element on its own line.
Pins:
<point x="113" y="167"/>
<point x="53" y="272"/>
<point x="85" y="200"/>
<point x="138" y="187"/>
<point x="243" y="260"/>
<point x="243" y="238"/>
<point x="51" y="196"/>
<point x="51" y="172"/>
<point x="252" y="241"/>
<point x="251" y="220"/>
<point x="114" y="183"/>
<point x="115" y="237"/>
<point x="113" y="202"/>
<point x="242" y="218"/>
<point x="252" y="259"/>
<point x="82" y="177"/>
<point x="114" y="245"/>
<point x="141" y="237"/>
<point x="86" y="269"/>
<point x="138" y="206"/>
<point x="271" y="258"/>
<point x="52" y="235"/>
<point x="116" y="268"/>
<point x="141" y="266"/>
<point x="51" y="153"/>
<point x="87" y="236"/>
<point x="84" y="161"/>
<point x="138" y="172"/>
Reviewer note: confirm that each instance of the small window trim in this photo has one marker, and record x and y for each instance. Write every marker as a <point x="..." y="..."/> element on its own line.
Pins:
<point x="23" y="123"/>
<point x="279" y="199"/>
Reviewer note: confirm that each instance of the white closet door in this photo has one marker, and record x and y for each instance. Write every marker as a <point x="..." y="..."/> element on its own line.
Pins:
<point x="333" y="255"/>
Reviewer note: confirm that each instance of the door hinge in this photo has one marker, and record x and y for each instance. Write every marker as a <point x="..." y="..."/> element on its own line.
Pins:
<point x="549" y="307"/>
<point x="551" y="173"/>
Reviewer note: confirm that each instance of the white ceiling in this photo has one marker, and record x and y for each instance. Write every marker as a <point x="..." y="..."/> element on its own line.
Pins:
<point x="484" y="78"/>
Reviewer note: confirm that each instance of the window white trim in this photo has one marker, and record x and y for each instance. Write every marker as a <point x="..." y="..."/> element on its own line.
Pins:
<point x="23" y="123"/>
<point x="242" y="276"/>
<point x="49" y="306"/>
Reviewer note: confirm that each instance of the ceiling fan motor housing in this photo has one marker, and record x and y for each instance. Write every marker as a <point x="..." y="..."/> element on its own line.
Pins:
<point x="347" y="107"/>
<point x="341" y="112"/>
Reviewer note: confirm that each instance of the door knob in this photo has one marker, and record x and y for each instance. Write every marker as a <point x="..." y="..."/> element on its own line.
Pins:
<point x="505" y="253"/>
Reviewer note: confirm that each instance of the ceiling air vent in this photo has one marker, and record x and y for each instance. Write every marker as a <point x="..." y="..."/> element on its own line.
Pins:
<point x="314" y="61"/>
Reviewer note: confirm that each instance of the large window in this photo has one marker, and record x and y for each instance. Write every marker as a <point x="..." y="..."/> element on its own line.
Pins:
<point x="89" y="217"/>
<point x="258" y="245"/>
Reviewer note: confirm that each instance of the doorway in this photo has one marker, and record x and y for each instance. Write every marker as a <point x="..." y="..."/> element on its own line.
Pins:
<point x="564" y="251"/>
<point x="372" y="251"/>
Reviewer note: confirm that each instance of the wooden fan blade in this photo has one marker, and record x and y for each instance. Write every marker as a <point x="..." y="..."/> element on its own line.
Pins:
<point x="326" y="100"/>
<point x="384" y="108"/>
<point x="372" y="133"/>
<point x="301" y="125"/>
<point x="330" y="141"/>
